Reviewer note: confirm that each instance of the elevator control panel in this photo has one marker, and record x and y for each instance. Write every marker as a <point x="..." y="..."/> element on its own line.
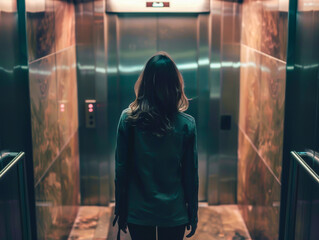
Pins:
<point x="90" y="113"/>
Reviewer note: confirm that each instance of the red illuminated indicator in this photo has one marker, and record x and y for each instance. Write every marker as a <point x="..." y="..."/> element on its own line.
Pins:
<point x="91" y="106"/>
<point x="62" y="107"/>
<point x="157" y="4"/>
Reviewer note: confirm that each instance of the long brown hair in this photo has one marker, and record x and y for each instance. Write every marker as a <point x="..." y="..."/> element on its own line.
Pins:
<point x="159" y="94"/>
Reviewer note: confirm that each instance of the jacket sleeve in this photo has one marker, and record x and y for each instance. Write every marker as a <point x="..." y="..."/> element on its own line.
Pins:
<point x="121" y="168"/>
<point x="190" y="175"/>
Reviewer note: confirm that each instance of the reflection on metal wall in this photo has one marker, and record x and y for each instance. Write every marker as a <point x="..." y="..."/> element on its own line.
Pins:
<point x="92" y="85"/>
<point x="301" y="129"/>
<point x="194" y="42"/>
<point x="229" y="101"/>
<point x="224" y="38"/>
<point x="15" y="121"/>
<point x="131" y="40"/>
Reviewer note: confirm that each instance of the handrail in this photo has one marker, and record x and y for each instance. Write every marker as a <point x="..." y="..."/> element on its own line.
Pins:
<point x="310" y="153"/>
<point x="298" y="156"/>
<point x="8" y="154"/>
<point x="291" y="205"/>
<point x="18" y="164"/>
<point x="12" y="163"/>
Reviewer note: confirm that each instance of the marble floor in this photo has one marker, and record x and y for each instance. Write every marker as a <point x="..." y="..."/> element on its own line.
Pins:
<point x="91" y="223"/>
<point x="222" y="222"/>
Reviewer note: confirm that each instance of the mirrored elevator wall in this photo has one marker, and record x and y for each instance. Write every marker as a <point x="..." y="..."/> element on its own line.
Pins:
<point x="92" y="85"/>
<point x="261" y="114"/>
<point x="54" y="115"/>
<point x="111" y="52"/>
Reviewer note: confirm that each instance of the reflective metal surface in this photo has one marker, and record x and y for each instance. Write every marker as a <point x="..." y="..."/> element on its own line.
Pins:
<point x="92" y="82"/>
<point x="172" y="6"/>
<point x="303" y="202"/>
<point x="229" y="101"/>
<point x="194" y="41"/>
<point x="135" y="43"/>
<point x="214" y="102"/>
<point x="139" y="37"/>
<point x="15" y="120"/>
<point x="11" y="218"/>
<point x="301" y="129"/>
<point x="14" y="201"/>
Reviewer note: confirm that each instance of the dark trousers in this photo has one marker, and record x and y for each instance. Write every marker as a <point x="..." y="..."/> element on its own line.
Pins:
<point x="139" y="232"/>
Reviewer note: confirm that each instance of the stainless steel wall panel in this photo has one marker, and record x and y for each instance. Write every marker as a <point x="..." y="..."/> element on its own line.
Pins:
<point x="214" y="103"/>
<point x="101" y="100"/>
<point x="183" y="45"/>
<point x="135" y="43"/>
<point x="230" y="97"/>
<point x="112" y="104"/>
<point x="203" y="79"/>
<point x="92" y="85"/>
<point x="229" y="103"/>
<point x="86" y="90"/>
<point x="195" y="42"/>
<point x="227" y="180"/>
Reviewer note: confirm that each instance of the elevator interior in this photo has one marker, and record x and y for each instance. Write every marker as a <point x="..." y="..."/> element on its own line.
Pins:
<point x="42" y="62"/>
<point x="128" y="40"/>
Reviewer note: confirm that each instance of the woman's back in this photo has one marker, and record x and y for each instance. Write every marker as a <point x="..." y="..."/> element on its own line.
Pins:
<point x="156" y="184"/>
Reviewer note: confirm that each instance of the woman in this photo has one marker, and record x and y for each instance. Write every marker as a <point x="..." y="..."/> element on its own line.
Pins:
<point x="156" y="177"/>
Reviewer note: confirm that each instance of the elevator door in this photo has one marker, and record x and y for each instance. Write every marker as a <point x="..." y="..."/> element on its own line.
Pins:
<point x="131" y="39"/>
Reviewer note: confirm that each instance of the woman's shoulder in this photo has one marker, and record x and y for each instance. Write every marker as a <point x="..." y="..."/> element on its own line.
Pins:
<point x="186" y="117"/>
<point x="187" y="121"/>
<point x="123" y="118"/>
<point x="125" y="113"/>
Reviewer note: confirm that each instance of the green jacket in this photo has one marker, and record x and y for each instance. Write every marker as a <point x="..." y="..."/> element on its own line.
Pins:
<point x="156" y="178"/>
